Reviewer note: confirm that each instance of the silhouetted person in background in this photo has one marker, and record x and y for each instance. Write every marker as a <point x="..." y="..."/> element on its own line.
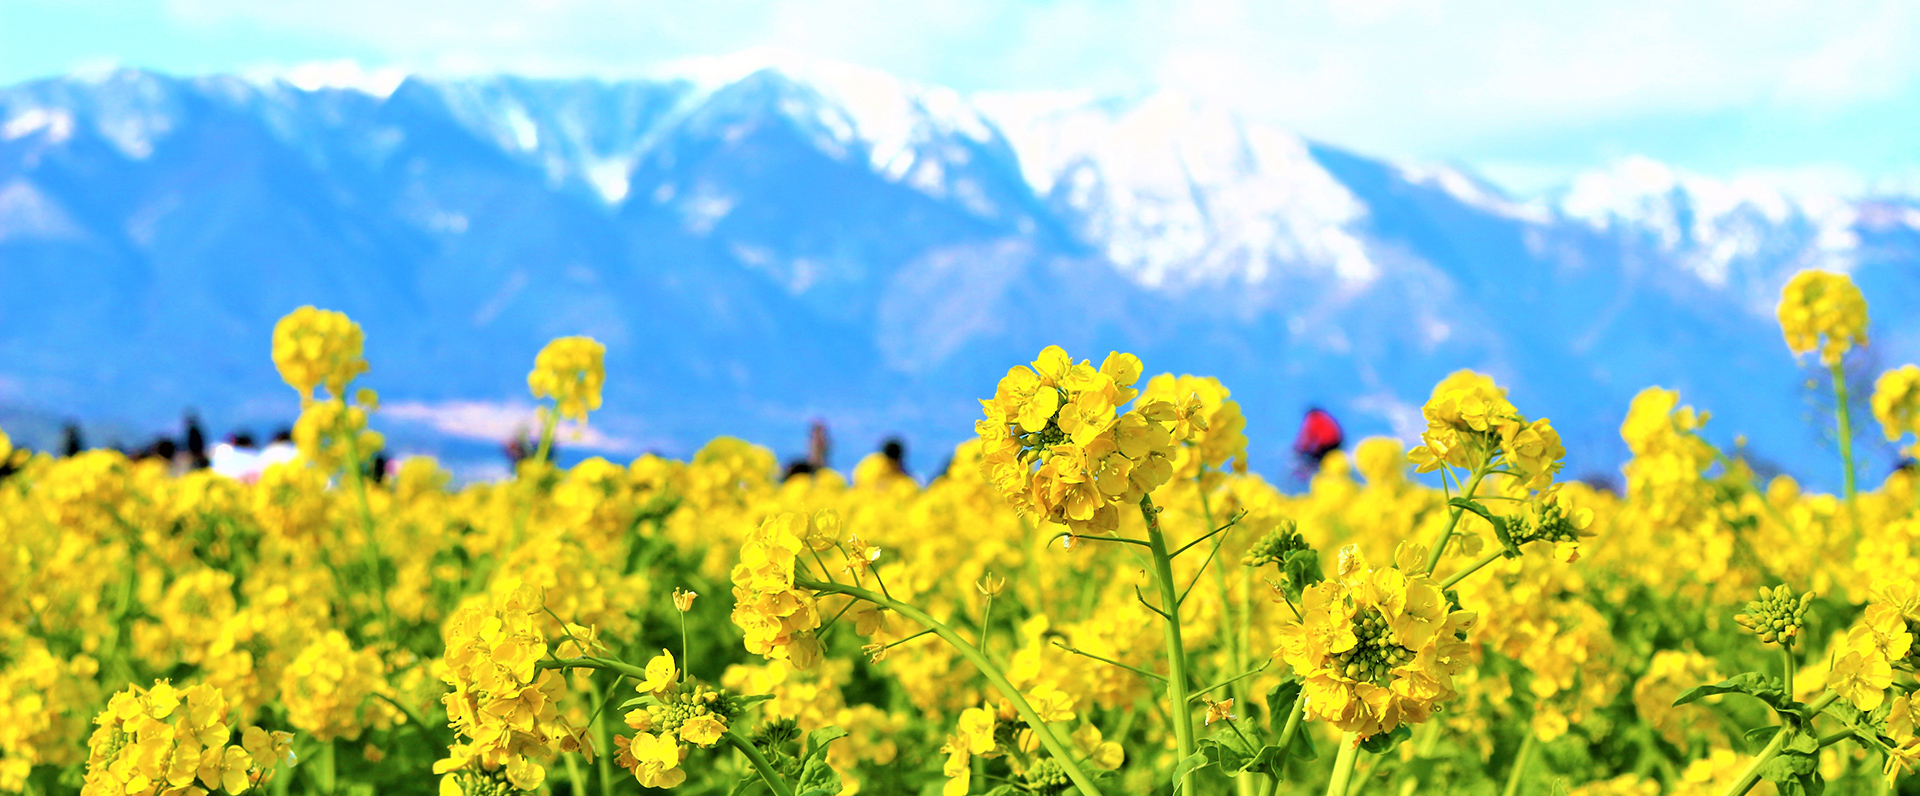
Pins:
<point x="163" y="449"/>
<point x="523" y="447"/>
<point x="895" y="449"/>
<point x="1319" y="435"/>
<point x="196" y="449"/>
<point x="797" y="467"/>
<point x="71" y="444"/>
<point x="819" y="445"/>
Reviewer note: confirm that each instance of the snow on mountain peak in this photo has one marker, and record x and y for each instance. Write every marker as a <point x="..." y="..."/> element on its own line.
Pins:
<point x="346" y="75"/>
<point x="1745" y="233"/>
<point x="56" y="124"/>
<point x="1180" y="194"/>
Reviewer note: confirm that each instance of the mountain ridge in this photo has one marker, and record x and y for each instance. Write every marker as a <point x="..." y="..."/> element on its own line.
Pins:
<point x="784" y="245"/>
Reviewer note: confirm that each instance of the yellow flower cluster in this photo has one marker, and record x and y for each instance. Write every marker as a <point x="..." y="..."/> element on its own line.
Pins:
<point x="813" y="700"/>
<point x="777" y="617"/>
<point x="1221" y="435"/>
<point x="44" y="702"/>
<point x="175" y="742"/>
<point x="331" y="432"/>
<point x="333" y="691"/>
<point x="503" y="707"/>
<point x="1469" y="421"/>
<point x="1896" y="402"/>
<point x="675" y="711"/>
<point x="1378" y="647"/>
<point x="1825" y="311"/>
<point x="318" y="348"/>
<point x="1668" y="675"/>
<point x="570" y="370"/>
<point x="994" y="731"/>
<point x="1863" y="663"/>
<point x="1057" y="447"/>
<point x="316" y="608"/>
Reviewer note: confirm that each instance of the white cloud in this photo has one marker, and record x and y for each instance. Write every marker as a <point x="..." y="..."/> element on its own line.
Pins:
<point x="1409" y="78"/>
<point x="498" y="422"/>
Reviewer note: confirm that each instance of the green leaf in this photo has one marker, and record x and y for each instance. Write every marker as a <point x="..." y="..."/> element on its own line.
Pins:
<point x="817" y="778"/>
<point x="1758" y="738"/>
<point x="1231" y="759"/>
<point x="1191" y="763"/>
<point x="1475" y="506"/>
<point x="1788" y="765"/>
<point x="1759" y="686"/>
<point x="1269" y="760"/>
<point x="1802" y="742"/>
<point x="639" y="702"/>
<point x="1004" y="790"/>
<point x="1302" y="568"/>
<point x="751" y="786"/>
<point x="743" y="701"/>
<point x="1383" y="742"/>
<point x="1303" y="745"/>
<point x="1280" y="703"/>
<point x="818" y="739"/>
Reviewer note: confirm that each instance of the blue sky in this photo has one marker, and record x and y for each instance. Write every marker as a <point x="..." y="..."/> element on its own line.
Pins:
<point x="1815" y="94"/>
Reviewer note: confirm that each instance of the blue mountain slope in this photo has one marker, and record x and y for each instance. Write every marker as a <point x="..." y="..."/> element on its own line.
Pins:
<point x="772" y="245"/>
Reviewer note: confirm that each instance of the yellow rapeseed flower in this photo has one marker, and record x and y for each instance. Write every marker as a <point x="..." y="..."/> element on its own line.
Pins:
<point x="570" y="370"/>
<point x="1378" y="647"/>
<point x="318" y="348"/>
<point x="1896" y="402"/>
<point x="1825" y="311"/>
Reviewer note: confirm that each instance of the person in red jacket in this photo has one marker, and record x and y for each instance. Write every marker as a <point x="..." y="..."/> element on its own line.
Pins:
<point x="1319" y="435"/>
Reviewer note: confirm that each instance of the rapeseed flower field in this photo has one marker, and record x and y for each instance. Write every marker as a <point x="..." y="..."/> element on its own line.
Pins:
<point x="1097" y="597"/>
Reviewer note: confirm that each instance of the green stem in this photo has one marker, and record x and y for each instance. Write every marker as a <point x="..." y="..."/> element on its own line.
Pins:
<point x="1453" y="519"/>
<point x="1109" y="661"/>
<point x="1520" y="762"/>
<point x="1227" y="682"/>
<point x="1786" y="656"/>
<point x="1060" y="750"/>
<point x="1293" y="725"/>
<point x="590" y="662"/>
<point x="325" y="771"/>
<point x="547" y="420"/>
<point x="1751" y="775"/>
<point x="986" y="615"/>
<point x="366" y="527"/>
<point x="1429" y="737"/>
<point x="1343" y="765"/>
<point x="1844" y="414"/>
<point x="575" y="779"/>
<point x="1180" y="712"/>
<point x="1484" y="560"/>
<point x="601" y="739"/>
<point x="772" y="778"/>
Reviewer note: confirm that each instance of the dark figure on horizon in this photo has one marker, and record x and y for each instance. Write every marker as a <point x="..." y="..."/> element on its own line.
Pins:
<point x="523" y="447"/>
<point x="196" y="449"/>
<point x="895" y="449"/>
<point x="819" y="446"/>
<point x="71" y="444"/>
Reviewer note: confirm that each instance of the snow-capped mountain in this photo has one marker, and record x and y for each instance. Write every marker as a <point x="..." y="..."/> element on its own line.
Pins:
<point x="761" y="242"/>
